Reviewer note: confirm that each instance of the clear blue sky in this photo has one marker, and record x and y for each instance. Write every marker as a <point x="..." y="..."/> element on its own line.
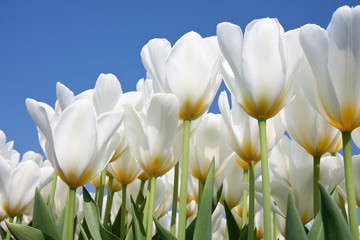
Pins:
<point x="43" y="42"/>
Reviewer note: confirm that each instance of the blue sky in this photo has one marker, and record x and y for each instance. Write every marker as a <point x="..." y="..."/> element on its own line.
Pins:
<point x="43" y="42"/>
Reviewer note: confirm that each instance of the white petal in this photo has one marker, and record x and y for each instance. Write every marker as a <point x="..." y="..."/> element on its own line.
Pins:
<point x="25" y="178"/>
<point x="75" y="138"/>
<point x="107" y="92"/>
<point x="230" y="39"/>
<point x="64" y="96"/>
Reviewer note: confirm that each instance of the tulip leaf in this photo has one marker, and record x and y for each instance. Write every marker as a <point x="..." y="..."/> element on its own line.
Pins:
<point x="203" y="222"/>
<point x="189" y="233"/>
<point x="335" y="226"/>
<point x="23" y="232"/>
<point x="43" y="218"/>
<point x="293" y="229"/>
<point x="92" y="218"/>
<point x="316" y="231"/>
<point x="2" y="233"/>
<point x="60" y="222"/>
<point x="163" y="232"/>
<point x="115" y="228"/>
<point x="138" y="227"/>
<point x="244" y="233"/>
<point x="233" y="228"/>
<point x="83" y="234"/>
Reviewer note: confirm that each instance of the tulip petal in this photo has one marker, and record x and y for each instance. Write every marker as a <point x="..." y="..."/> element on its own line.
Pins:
<point x="64" y="96"/>
<point x="107" y="92"/>
<point x="230" y="39"/>
<point x="24" y="178"/>
<point x="74" y="137"/>
<point x="264" y="49"/>
<point x="153" y="56"/>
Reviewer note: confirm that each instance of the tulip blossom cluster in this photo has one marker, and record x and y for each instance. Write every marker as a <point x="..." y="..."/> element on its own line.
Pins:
<point x="164" y="167"/>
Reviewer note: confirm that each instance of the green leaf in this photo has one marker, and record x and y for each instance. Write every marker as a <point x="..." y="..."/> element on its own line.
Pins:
<point x="138" y="227"/>
<point x="60" y="222"/>
<point x="163" y="232"/>
<point x="189" y="233"/>
<point x="317" y="230"/>
<point x="23" y="232"/>
<point x="92" y="218"/>
<point x="2" y="233"/>
<point x="335" y="226"/>
<point x="130" y="233"/>
<point x="233" y="228"/>
<point x="203" y="222"/>
<point x="244" y="233"/>
<point x="43" y="218"/>
<point x="83" y="234"/>
<point x="115" y="228"/>
<point x="294" y="229"/>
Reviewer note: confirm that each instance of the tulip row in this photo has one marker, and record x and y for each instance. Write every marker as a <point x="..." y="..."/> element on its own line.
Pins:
<point x="145" y="143"/>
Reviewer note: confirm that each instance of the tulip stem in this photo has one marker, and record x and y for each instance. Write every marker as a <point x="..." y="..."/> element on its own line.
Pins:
<point x="108" y="202"/>
<point x="251" y="226"/>
<point x="142" y="184"/>
<point x="175" y="199"/>
<point x="316" y="190"/>
<point x="265" y="178"/>
<point x="53" y="188"/>
<point x="184" y="178"/>
<point x="146" y="209"/>
<point x="200" y="191"/>
<point x="152" y="182"/>
<point x="349" y="179"/>
<point x="96" y="193"/>
<point x="19" y="219"/>
<point x="101" y="190"/>
<point x="274" y="226"/>
<point x="123" y="211"/>
<point x="68" y="231"/>
<point x="8" y="234"/>
<point x="244" y="202"/>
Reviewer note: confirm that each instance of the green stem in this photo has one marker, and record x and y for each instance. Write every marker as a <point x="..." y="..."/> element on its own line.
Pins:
<point x="333" y="154"/>
<point x="96" y="193"/>
<point x="227" y="232"/>
<point x="244" y="202"/>
<point x="265" y="179"/>
<point x="251" y="226"/>
<point x="8" y="234"/>
<point x="349" y="179"/>
<point x="152" y="181"/>
<point x="175" y="199"/>
<point x="68" y="231"/>
<point x="101" y="190"/>
<point x="200" y="191"/>
<point x="274" y="226"/>
<point x="108" y="202"/>
<point x="316" y="190"/>
<point x="53" y="188"/>
<point x="184" y="177"/>
<point x="123" y="212"/>
<point x="146" y="209"/>
<point x="19" y="219"/>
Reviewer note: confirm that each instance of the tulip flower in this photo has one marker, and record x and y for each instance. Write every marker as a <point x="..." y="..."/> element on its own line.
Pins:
<point x="80" y="143"/>
<point x="209" y="142"/>
<point x="263" y="65"/>
<point x="313" y="133"/>
<point x="190" y="71"/>
<point x="332" y="54"/>
<point x="244" y="135"/>
<point x="150" y="139"/>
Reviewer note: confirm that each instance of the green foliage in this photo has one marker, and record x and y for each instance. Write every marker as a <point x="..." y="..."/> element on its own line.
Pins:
<point x="43" y="218"/>
<point x="335" y="226"/>
<point x="138" y="227"/>
<point x="233" y="228"/>
<point x="294" y="228"/>
<point x="203" y="222"/>
<point x="163" y="232"/>
<point x="92" y="218"/>
<point x="23" y="232"/>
